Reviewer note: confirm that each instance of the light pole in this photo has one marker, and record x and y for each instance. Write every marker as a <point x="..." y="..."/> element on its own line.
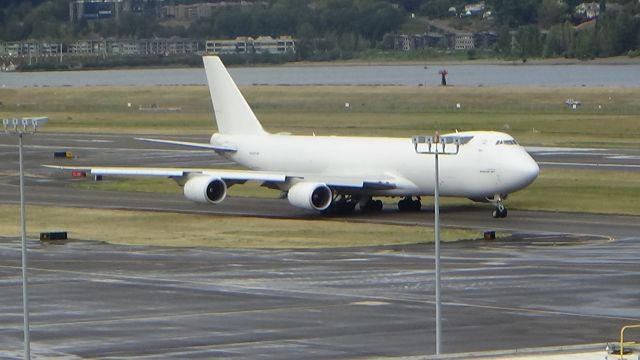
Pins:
<point x="436" y="145"/>
<point x="20" y="127"/>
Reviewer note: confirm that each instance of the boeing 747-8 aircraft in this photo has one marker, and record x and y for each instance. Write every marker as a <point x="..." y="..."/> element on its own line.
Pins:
<point x="336" y="174"/>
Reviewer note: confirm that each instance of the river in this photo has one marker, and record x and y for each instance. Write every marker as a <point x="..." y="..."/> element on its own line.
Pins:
<point x="408" y="75"/>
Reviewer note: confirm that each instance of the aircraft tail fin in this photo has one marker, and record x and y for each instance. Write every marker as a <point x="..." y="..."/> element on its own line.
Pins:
<point x="232" y="112"/>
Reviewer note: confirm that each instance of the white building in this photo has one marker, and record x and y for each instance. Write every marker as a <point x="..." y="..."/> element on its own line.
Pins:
<point x="30" y="48"/>
<point x="158" y="46"/>
<point x="464" y="41"/>
<point x="259" y="45"/>
<point x="588" y="10"/>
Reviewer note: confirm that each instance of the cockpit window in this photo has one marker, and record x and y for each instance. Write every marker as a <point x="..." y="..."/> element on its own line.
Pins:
<point x="506" y="142"/>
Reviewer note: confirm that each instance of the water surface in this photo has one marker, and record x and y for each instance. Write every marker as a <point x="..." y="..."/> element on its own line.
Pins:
<point x="410" y="75"/>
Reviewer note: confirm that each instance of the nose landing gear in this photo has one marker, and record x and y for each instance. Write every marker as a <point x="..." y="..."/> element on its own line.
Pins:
<point x="500" y="211"/>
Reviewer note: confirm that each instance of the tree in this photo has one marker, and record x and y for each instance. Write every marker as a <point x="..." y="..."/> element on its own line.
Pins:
<point x="585" y="44"/>
<point x="552" y="12"/>
<point x="504" y="45"/>
<point x="134" y="26"/>
<point x="376" y="19"/>
<point x="560" y="41"/>
<point x="338" y="16"/>
<point x="47" y="20"/>
<point x="435" y="8"/>
<point x="528" y="42"/>
<point x="306" y="40"/>
<point x="626" y="30"/>
<point x="234" y="23"/>
<point x="606" y="35"/>
<point x="515" y="13"/>
<point x="410" y="5"/>
<point x="14" y="30"/>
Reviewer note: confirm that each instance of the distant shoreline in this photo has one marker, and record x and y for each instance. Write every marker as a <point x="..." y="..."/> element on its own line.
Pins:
<point x="618" y="60"/>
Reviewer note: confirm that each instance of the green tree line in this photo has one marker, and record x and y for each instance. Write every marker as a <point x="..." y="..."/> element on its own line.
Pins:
<point x="331" y="29"/>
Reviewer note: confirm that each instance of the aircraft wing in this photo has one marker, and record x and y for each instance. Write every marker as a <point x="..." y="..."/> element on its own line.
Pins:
<point x="353" y="182"/>
<point x="334" y="182"/>
<point x="176" y="172"/>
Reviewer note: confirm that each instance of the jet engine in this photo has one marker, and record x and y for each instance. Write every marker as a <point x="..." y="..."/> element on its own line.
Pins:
<point x="205" y="189"/>
<point x="311" y="196"/>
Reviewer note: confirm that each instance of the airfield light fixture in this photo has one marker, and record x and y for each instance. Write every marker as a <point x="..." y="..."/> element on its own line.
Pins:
<point x="21" y="127"/>
<point x="437" y="145"/>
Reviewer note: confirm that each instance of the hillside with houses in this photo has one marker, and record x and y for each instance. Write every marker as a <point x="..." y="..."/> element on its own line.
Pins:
<point x="43" y="34"/>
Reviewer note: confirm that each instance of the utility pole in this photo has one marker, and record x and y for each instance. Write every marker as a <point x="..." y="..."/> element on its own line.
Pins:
<point x="20" y="127"/>
<point x="436" y="145"/>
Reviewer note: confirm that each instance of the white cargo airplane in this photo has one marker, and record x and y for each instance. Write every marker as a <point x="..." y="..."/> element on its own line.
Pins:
<point x="334" y="174"/>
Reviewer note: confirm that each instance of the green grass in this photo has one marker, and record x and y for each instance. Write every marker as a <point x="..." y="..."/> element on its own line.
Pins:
<point x="187" y="230"/>
<point x="535" y="116"/>
<point x="592" y="191"/>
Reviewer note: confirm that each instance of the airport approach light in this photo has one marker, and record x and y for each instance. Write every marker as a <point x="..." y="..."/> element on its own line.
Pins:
<point x="20" y="127"/>
<point x="437" y="145"/>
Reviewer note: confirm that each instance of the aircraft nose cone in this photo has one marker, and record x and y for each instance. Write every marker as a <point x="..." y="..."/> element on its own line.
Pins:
<point x="527" y="171"/>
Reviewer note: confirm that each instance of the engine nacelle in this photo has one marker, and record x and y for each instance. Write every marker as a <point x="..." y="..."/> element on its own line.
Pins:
<point x="205" y="189"/>
<point x="311" y="196"/>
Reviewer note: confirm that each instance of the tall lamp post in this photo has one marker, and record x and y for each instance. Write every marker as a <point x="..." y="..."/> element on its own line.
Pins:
<point x="20" y="127"/>
<point x="436" y="145"/>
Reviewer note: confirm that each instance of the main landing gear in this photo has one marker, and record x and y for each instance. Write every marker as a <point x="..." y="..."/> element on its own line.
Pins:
<point x="409" y="204"/>
<point x="341" y="204"/>
<point x="369" y="205"/>
<point x="500" y="211"/>
<point x="346" y="204"/>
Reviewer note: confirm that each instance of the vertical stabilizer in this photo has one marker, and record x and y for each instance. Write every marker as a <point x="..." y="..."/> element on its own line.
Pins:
<point x="233" y="114"/>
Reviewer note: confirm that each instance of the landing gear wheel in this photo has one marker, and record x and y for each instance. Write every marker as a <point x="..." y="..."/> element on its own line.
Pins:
<point x="499" y="214"/>
<point x="371" y="206"/>
<point x="500" y="211"/>
<point x="408" y="204"/>
<point x="341" y="205"/>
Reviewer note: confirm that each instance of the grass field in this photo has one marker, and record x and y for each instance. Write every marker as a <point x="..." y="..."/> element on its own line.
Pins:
<point x="187" y="230"/>
<point x="535" y="116"/>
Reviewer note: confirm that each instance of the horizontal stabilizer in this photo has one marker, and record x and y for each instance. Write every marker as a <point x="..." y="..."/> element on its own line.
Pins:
<point x="190" y="144"/>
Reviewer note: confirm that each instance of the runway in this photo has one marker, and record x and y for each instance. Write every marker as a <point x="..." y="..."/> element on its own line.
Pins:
<point x="561" y="279"/>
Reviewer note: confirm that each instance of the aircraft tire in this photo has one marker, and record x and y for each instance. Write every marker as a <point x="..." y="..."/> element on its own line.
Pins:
<point x="498" y="214"/>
